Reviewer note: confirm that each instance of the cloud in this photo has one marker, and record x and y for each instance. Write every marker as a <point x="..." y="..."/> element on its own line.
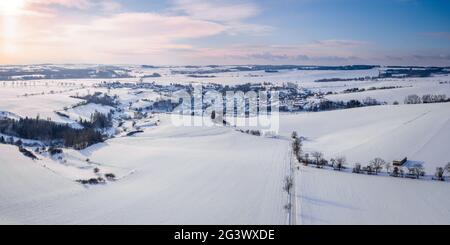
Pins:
<point x="147" y="25"/>
<point x="443" y="35"/>
<point x="318" y="52"/>
<point x="80" y="4"/>
<point x="108" y="37"/>
<point x="233" y="14"/>
<point x="338" y="43"/>
<point x="79" y="33"/>
<point x="99" y="5"/>
<point x="216" y="10"/>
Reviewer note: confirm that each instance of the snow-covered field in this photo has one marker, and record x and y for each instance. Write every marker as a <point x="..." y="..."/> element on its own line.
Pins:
<point x="417" y="86"/>
<point x="218" y="175"/>
<point x="175" y="176"/>
<point x="231" y="78"/>
<point x="328" y="197"/>
<point x="419" y="132"/>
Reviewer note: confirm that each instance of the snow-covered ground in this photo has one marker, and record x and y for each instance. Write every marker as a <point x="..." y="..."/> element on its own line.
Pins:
<point x="232" y="78"/>
<point x="326" y="197"/>
<point x="419" y="132"/>
<point x="176" y="176"/>
<point x="217" y="175"/>
<point x="416" y="86"/>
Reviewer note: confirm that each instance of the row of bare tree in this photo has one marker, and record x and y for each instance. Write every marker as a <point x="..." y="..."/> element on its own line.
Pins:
<point x="373" y="168"/>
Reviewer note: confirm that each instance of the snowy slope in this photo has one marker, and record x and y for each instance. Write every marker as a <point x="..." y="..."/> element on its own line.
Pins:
<point x="178" y="176"/>
<point x="419" y="132"/>
<point x="420" y="87"/>
<point x="84" y="112"/>
<point x="24" y="182"/>
<point x="328" y="197"/>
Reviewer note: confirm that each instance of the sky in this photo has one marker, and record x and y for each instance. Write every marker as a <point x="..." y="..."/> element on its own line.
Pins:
<point x="225" y="32"/>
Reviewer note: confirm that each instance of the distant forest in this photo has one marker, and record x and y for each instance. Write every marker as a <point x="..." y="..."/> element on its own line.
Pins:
<point x="58" y="134"/>
<point x="50" y="72"/>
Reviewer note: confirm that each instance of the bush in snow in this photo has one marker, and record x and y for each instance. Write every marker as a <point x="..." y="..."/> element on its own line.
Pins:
<point x="447" y="167"/>
<point x="416" y="171"/>
<point x="48" y="131"/>
<point x="288" y="206"/>
<point x="92" y="181"/>
<point x="439" y="175"/>
<point x="288" y="184"/>
<point x="398" y="172"/>
<point x="413" y="99"/>
<point x="297" y="148"/>
<point x="19" y="143"/>
<point x="377" y="164"/>
<point x="318" y="158"/>
<point x="369" y="170"/>
<point x="357" y="169"/>
<point x="27" y="153"/>
<point x="388" y="167"/>
<point x="255" y="132"/>
<point x="98" y="98"/>
<point x="428" y="98"/>
<point x="370" y="101"/>
<point x="53" y="151"/>
<point x="110" y="176"/>
<point x="306" y="160"/>
<point x="339" y="163"/>
<point x="294" y="135"/>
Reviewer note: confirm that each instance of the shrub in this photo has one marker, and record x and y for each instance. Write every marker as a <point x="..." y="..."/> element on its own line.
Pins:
<point x="288" y="184"/>
<point x="54" y="151"/>
<point x="357" y="169"/>
<point x="413" y="99"/>
<point x="439" y="174"/>
<point x="110" y="176"/>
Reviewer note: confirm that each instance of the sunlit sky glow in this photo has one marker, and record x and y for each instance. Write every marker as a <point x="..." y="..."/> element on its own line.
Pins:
<point x="182" y="32"/>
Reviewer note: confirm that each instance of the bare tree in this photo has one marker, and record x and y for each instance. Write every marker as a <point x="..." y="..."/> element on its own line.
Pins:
<point x="318" y="156"/>
<point x="447" y="167"/>
<point x="377" y="164"/>
<point x="340" y="163"/>
<point x="333" y="162"/>
<point x="417" y="170"/>
<point x="297" y="148"/>
<point x="288" y="184"/>
<point x="413" y="99"/>
<point x="357" y="168"/>
<point x="306" y="160"/>
<point x="439" y="174"/>
<point x="388" y="167"/>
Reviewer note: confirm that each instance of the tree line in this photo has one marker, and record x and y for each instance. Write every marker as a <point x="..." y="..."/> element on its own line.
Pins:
<point x="374" y="167"/>
<point x="55" y="133"/>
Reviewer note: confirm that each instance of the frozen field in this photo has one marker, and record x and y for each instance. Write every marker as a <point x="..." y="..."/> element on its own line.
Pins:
<point x="176" y="176"/>
<point x="419" y="132"/>
<point x="230" y="78"/>
<point x="217" y="175"/>
<point x="416" y="86"/>
<point x="327" y="197"/>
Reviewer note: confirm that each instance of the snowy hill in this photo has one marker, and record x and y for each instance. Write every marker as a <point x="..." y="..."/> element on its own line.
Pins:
<point x="419" y="132"/>
<point x="172" y="181"/>
<point x="329" y="197"/>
